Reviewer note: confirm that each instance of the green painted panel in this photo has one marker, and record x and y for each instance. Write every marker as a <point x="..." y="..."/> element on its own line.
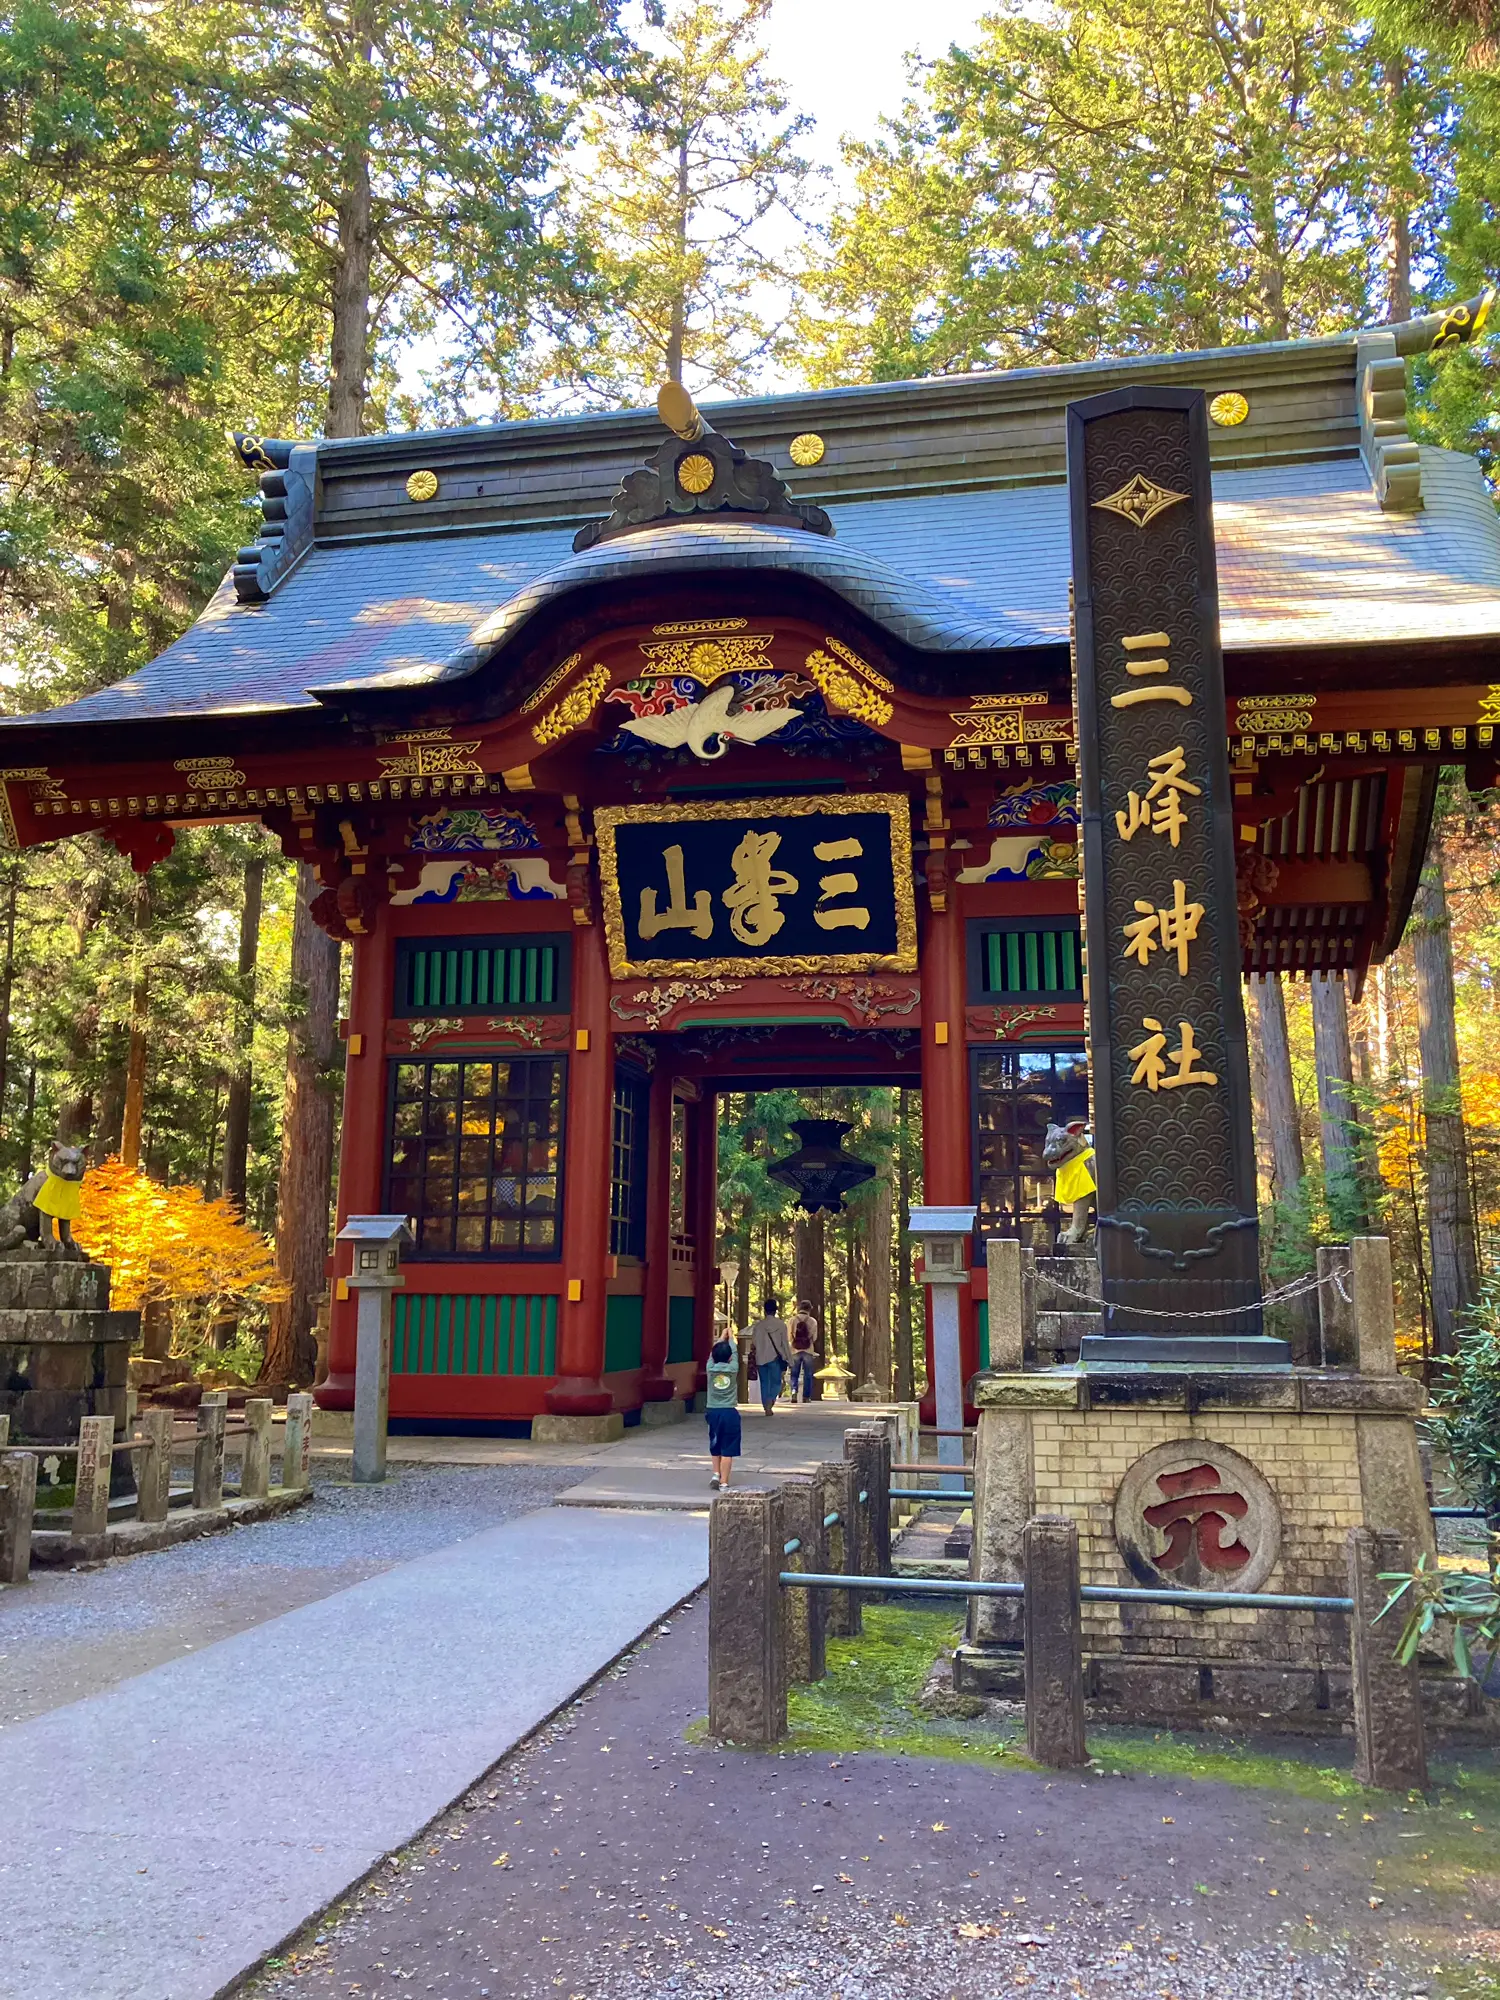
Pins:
<point x="477" y="1333"/>
<point x="624" y="1323"/>
<point x="680" y="1329"/>
<point x="982" y="1322"/>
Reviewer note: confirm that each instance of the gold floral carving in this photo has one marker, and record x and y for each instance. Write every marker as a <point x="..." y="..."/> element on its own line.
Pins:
<point x="1006" y="1022"/>
<point x="690" y="628"/>
<point x="807" y="448"/>
<point x="894" y="804"/>
<point x="707" y="660"/>
<point x="842" y="691"/>
<point x="209" y="774"/>
<point x="554" y="680"/>
<point x="420" y="1033"/>
<point x="1139" y="500"/>
<point x="1229" y="409"/>
<point x="871" y="999"/>
<point x="695" y="473"/>
<point x="1009" y="701"/>
<point x="575" y="708"/>
<point x="430" y="753"/>
<point x="422" y="485"/>
<point x="651" y="1005"/>
<point x="862" y="667"/>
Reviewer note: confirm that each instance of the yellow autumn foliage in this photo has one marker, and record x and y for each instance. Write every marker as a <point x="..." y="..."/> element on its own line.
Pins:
<point x="168" y="1244"/>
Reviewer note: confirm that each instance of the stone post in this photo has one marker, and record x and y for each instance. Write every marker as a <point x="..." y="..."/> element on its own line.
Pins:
<point x="17" y="1503"/>
<point x="4" y="1429"/>
<point x="155" y="1485"/>
<point x="1054" y="1644"/>
<point x="1390" y="1748"/>
<point x="804" y="1610"/>
<point x="1007" y="1304"/>
<point x="296" y="1444"/>
<point x="255" y="1471"/>
<point x="746" y="1633"/>
<point x="208" y="1451"/>
<point x="1374" y="1305"/>
<point x="838" y="1484"/>
<point x="1004" y="1491"/>
<point x="1335" y="1312"/>
<point x="91" y="1479"/>
<point x="869" y="1449"/>
<point x="372" y="1384"/>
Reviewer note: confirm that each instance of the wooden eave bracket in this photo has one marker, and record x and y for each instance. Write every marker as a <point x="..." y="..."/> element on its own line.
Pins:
<point x="1391" y="455"/>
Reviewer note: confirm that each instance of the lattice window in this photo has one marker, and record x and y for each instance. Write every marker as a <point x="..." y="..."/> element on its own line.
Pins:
<point x="475" y="1154"/>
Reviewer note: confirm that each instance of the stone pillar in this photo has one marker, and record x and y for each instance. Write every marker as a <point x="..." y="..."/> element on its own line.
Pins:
<point x="156" y="1466"/>
<point x="804" y="1610"/>
<point x="868" y="1449"/>
<point x="1390" y="1747"/>
<point x="296" y="1444"/>
<point x="17" y="1504"/>
<point x="362" y="1136"/>
<point x="4" y="1429"/>
<point x="838" y="1484"/>
<point x="255" y="1469"/>
<point x="656" y="1307"/>
<point x="1374" y="1305"/>
<point x="372" y="1384"/>
<point x="208" y="1451"/>
<point x="1007" y="1304"/>
<point x="1335" y="1311"/>
<point x="746" y="1636"/>
<point x="1054" y="1644"/>
<point x="1003" y="1503"/>
<point x="96" y="1436"/>
<point x="588" y="1135"/>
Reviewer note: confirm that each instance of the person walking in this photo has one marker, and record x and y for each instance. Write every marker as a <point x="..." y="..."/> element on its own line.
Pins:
<point x="723" y="1375"/>
<point x="772" y="1354"/>
<point x="804" y="1336"/>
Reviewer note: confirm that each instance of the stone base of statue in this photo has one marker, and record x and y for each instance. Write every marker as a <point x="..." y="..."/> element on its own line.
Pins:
<point x="64" y="1355"/>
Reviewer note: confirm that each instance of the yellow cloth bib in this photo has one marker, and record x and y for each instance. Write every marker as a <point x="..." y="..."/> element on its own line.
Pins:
<point x="60" y="1198"/>
<point x="1074" y="1179"/>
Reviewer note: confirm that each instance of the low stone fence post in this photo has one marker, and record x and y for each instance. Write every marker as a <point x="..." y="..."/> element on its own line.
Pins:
<point x="869" y="1448"/>
<point x="1054" y="1644"/>
<point x="255" y="1471"/>
<point x="208" y="1451"/>
<point x="4" y="1429"/>
<point x="1335" y="1309"/>
<point x="1390" y="1747"/>
<point x="805" y="1611"/>
<point x="746" y="1632"/>
<point x="838" y="1482"/>
<point x="17" y="1503"/>
<point x="96" y="1435"/>
<point x="296" y="1445"/>
<point x="154" y="1481"/>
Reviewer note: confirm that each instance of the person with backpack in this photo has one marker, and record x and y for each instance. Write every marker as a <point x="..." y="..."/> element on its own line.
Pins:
<point x="723" y="1376"/>
<point x="772" y="1355"/>
<point x="804" y="1332"/>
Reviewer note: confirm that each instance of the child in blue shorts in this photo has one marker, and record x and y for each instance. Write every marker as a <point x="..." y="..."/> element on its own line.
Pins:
<point x="723" y="1415"/>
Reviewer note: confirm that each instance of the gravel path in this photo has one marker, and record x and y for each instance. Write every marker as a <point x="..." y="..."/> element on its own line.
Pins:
<point x="71" y="1633"/>
<point x="610" y="1857"/>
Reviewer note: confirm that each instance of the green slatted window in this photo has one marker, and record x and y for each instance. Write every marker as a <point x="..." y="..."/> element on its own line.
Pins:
<point x="1026" y="956"/>
<point x="474" y="1333"/>
<point x="470" y="975"/>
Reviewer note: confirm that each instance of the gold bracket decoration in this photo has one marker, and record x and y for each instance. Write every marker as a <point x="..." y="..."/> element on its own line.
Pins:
<point x="209" y="774"/>
<point x="575" y="708"/>
<point x="706" y="659"/>
<point x="1139" y="500"/>
<point x="697" y="628"/>
<point x="1489" y="708"/>
<point x="36" y="775"/>
<point x="553" y="681"/>
<point x="841" y="690"/>
<point x="1280" y="712"/>
<point x="651" y="1005"/>
<point x="431" y="753"/>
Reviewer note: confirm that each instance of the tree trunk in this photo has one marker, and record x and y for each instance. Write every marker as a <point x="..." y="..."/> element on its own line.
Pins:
<point x="7" y="979"/>
<point x="811" y="1284"/>
<point x="135" y="1063"/>
<point x="1343" y="1162"/>
<point x="1450" y="1213"/>
<point x="677" y="331"/>
<point x="237" y="1107"/>
<point x="307" y="1122"/>
<point x="349" y="303"/>
<point x="1398" y="212"/>
<point x="878" y="1339"/>
<point x="1283" y="1119"/>
<point x="856" y="1307"/>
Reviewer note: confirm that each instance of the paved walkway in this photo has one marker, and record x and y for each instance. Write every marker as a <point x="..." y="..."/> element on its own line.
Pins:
<point x="161" y="1835"/>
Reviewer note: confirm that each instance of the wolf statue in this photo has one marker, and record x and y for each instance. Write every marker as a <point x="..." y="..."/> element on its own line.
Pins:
<point x="52" y="1192"/>
<point x="1067" y="1151"/>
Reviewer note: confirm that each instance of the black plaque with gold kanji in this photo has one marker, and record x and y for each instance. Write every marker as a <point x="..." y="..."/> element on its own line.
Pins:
<point x="1172" y="1117"/>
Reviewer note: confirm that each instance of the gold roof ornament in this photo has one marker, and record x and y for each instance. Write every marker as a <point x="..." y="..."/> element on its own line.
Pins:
<point x="679" y="412"/>
<point x="695" y="473"/>
<point x="422" y="486"/>
<point x="807" y="449"/>
<point x="1229" y="409"/>
<point x="1139" y="500"/>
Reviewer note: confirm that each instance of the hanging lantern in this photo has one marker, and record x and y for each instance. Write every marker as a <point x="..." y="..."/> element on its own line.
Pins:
<point x="820" y="1170"/>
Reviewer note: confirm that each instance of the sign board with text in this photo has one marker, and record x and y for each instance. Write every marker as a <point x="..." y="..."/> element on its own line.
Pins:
<point x="759" y="886"/>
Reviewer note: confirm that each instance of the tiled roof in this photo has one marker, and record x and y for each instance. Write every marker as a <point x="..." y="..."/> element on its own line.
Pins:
<point x="1306" y="559"/>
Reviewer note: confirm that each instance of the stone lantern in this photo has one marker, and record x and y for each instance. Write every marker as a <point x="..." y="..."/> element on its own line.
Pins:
<point x="378" y="1242"/>
<point x="944" y="1235"/>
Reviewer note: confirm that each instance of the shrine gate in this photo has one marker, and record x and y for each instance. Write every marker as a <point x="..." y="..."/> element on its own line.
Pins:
<point x="642" y="762"/>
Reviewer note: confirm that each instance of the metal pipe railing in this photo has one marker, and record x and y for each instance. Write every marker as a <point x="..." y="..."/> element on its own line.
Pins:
<point x="931" y="1493"/>
<point x="1090" y="1593"/>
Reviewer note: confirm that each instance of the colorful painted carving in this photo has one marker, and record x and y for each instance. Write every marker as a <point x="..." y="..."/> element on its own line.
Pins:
<point x="470" y="879"/>
<point x="1036" y="805"/>
<point x="1025" y="857"/>
<point x="463" y="829"/>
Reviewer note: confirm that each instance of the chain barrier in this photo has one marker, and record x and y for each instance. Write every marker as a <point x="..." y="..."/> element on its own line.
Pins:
<point x="1295" y="1289"/>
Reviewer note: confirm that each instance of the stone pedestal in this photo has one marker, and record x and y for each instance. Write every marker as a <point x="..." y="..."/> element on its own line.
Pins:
<point x="550" y="1429"/>
<point x="64" y="1355"/>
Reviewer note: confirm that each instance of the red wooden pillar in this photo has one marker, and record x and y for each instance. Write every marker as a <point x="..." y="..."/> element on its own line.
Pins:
<point x="588" y="1138"/>
<point x="362" y="1140"/>
<point x="703" y="1221"/>
<point x="947" y="1171"/>
<point x="655" y="1385"/>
